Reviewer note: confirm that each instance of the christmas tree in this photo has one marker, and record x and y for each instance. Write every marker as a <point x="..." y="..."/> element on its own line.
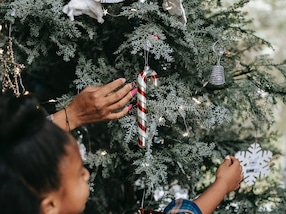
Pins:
<point x="214" y="98"/>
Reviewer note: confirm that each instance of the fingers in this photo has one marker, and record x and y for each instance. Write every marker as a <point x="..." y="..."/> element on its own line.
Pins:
<point x="239" y="181"/>
<point x="228" y="160"/>
<point x="106" y="89"/>
<point x="232" y="160"/>
<point x="230" y="173"/>
<point x="116" y="102"/>
<point x="111" y="99"/>
<point x="91" y="88"/>
<point x="120" y="114"/>
<point x="123" y="101"/>
<point x="236" y="164"/>
<point x="238" y="167"/>
<point x="241" y="177"/>
<point x="110" y="87"/>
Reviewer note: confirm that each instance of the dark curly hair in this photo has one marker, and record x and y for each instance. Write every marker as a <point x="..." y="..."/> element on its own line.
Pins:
<point x="31" y="148"/>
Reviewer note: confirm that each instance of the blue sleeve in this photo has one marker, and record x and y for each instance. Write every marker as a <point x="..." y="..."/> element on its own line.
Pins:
<point x="182" y="206"/>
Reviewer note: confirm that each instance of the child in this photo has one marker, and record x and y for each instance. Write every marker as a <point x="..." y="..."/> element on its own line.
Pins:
<point x="41" y="169"/>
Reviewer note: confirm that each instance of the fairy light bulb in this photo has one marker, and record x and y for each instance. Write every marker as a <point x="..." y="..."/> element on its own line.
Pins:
<point x="185" y="134"/>
<point x="103" y="153"/>
<point x="196" y="100"/>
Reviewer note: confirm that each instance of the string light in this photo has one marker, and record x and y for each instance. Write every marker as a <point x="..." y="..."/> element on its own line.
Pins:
<point x="196" y="100"/>
<point x="11" y="77"/>
<point x="185" y="134"/>
<point x="103" y="153"/>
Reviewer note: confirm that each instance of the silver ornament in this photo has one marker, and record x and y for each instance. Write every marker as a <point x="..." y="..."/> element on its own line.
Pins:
<point x="217" y="75"/>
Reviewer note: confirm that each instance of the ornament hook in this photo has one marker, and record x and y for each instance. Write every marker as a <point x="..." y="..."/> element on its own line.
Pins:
<point x="218" y="50"/>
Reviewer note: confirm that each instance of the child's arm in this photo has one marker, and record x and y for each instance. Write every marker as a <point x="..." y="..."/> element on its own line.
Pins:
<point x="96" y="103"/>
<point x="228" y="178"/>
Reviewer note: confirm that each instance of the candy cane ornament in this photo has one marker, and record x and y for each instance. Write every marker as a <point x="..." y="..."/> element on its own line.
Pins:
<point x="141" y="103"/>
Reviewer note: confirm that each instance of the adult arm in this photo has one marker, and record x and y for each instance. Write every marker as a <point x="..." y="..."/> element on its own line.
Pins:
<point x="95" y="104"/>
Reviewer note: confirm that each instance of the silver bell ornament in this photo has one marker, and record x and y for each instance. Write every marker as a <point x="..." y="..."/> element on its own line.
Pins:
<point x="217" y="75"/>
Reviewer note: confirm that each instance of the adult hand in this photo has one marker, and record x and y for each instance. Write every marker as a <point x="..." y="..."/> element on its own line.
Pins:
<point x="97" y="103"/>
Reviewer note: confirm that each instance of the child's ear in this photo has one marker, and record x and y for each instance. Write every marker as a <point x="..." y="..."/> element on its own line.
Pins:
<point x="50" y="204"/>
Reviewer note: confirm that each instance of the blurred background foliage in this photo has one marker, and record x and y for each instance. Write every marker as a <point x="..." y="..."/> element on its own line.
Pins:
<point x="269" y="22"/>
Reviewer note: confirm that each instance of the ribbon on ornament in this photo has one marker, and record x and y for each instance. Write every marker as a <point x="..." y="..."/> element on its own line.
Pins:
<point x="141" y="103"/>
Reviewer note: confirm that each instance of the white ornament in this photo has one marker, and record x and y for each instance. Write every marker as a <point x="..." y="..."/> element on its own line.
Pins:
<point x="81" y="147"/>
<point x="82" y="151"/>
<point x="175" y="7"/>
<point x="91" y="8"/>
<point x="254" y="163"/>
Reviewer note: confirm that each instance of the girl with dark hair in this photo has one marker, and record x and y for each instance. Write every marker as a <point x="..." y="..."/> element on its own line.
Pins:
<point x="41" y="169"/>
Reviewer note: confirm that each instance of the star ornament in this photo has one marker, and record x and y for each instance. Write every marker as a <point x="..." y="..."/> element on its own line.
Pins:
<point x="254" y="163"/>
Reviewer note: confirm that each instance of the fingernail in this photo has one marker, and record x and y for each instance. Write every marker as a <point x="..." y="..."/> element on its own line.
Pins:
<point x="227" y="157"/>
<point x="132" y="85"/>
<point x="133" y="92"/>
<point x="123" y="80"/>
<point x="129" y="107"/>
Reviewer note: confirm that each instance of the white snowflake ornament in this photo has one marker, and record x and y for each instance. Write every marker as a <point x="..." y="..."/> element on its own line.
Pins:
<point x="254" y="163"/>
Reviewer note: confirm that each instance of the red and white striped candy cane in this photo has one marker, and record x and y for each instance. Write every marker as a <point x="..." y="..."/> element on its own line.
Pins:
<point x="141" y="103"/>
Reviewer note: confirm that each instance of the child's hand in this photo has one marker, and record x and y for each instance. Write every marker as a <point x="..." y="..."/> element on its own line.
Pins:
<point x="228" y="178"/>
<point x="229" y="174"/>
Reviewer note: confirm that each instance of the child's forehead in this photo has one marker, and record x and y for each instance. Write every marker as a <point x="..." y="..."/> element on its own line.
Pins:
<point x="72" y="154"/>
